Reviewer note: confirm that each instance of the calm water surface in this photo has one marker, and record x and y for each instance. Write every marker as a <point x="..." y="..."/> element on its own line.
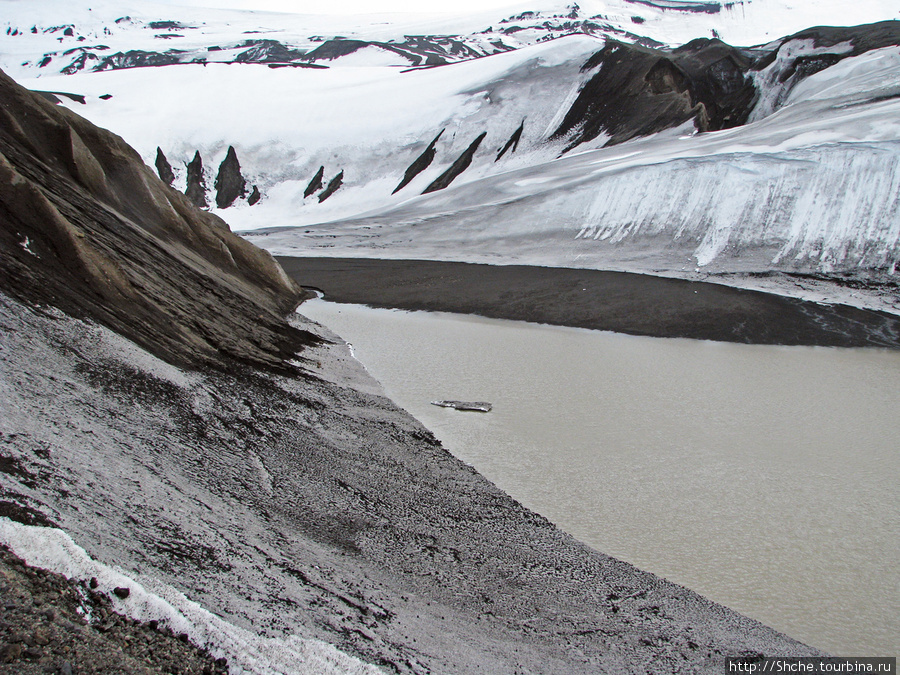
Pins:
<point x="765" y="478"/>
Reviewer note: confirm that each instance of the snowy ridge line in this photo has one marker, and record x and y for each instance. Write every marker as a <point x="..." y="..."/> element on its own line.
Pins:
<point x="150" y="599"/>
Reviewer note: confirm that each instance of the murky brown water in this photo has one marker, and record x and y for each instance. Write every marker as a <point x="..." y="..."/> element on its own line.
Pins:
<point x="765" y="478"/>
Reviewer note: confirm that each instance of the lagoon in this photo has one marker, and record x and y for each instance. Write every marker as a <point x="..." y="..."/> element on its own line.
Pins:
<point x="765" y="478"/>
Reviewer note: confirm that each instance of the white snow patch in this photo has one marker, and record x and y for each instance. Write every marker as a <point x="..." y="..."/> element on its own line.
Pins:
<point x="26" y="244"/>
<point x="149" y="599"/>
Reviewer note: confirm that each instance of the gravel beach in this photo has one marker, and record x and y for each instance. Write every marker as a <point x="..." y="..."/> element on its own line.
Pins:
<point x="638" y="304"/>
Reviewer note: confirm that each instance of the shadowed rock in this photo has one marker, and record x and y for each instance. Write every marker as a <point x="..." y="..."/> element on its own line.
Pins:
<point x="230" y="184"/>
<point x="461" y="164"/>
<point x="87" y="227"/>
<point x="315" y="184"/>
<point x="421" y="163"/>
<point x="196" y="183"/>
<point x="254" y="197"/>
<point x="513" y="141"/>
<point x="333" y="186"/>
<point x="163" y="168"/>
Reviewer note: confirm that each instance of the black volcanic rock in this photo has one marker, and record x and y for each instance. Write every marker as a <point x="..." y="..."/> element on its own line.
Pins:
<point x="639" y="91"/>
<point x="315" y="184"/>
<point x="87" y="227"/>
<point x="421" y="163"/>
<point x="196" y="183"/>
<point x="333" y="186"/>
<point x="513" y="141"/>
<point x="461" y="164"/>
<point x="230" y="184"/>
<point x="254" y="197"/>
<point x="163" y="168"/>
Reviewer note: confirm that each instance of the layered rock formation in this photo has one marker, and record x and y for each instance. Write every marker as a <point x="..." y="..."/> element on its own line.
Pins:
<point x="87" y="227"/>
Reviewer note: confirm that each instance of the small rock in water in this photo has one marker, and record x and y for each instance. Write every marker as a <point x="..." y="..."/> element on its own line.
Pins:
<point x="122" y="592"/>
<point x="476" y="406"/>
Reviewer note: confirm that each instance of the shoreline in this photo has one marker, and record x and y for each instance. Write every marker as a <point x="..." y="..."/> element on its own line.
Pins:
<point x="624" y="302"/>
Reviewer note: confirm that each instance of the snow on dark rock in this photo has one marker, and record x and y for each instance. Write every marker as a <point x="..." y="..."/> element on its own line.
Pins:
<point x="138" y="58"/>
<point x="638" y="91"/>
<point x="268" y="51"/>
<point x="334" y="49"/>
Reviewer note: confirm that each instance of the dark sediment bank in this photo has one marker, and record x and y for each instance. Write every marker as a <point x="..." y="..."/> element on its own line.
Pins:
<point x="638" y="304"/>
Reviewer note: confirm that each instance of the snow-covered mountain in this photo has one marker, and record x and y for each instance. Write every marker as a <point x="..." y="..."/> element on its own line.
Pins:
<point x="620" y="134"/>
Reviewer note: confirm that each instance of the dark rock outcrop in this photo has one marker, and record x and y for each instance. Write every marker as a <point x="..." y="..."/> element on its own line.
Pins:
<point x="315" y="184"/>
<point x="793" y="69"/>
<point x="334" y="49"/>
<point x="254" y="197"/>
<point x="230" y="184"/>
<point x="461" y="164"/>
<point x="333" y="186"/>
<point x="513" y="141"/>
<point x="163" y="168"/>
<point x="87" y="227"/>
<point x="137" y="58"/>
<point x="268" y="51"/>
<point x="639" y="91"/>
<point x="421" y="163"/>
<point x="196" y="183"/>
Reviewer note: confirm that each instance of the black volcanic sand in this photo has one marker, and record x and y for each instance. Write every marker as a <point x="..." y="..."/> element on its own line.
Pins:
<point x="638" y="304"/>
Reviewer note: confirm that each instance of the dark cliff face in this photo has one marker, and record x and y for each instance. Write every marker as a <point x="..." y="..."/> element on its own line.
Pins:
<point x="87" y="227"/>
<point x="638" y="91"/>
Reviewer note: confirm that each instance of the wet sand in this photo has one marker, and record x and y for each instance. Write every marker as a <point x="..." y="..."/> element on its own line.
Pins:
<point x="637" y="304"/>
